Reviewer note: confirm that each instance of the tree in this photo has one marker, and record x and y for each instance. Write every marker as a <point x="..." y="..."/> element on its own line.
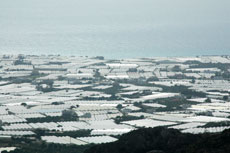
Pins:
<point x="69" y="115"/>
<point x="61" y="78"/>
<point x="193" y="81"/>
<point x="153" y="78"/>
<point x="24" y="104"/>
<point x="39" y="133"/>
<point x="35" y="72"/>
<point x="208" y="100"/>
<point x="225" y="98"/>
<point x="137" y="104"/>
<point x="72" y="107"/>
<point x="97" y="73"/>
<point x="176" y="68"/>
<point x="119" y="107"/>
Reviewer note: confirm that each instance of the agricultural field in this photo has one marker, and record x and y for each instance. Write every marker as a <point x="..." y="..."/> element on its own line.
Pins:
<point x="81" y="100"/>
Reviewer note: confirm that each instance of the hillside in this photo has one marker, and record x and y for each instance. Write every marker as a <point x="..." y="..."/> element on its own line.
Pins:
<point x="163" y="140"/>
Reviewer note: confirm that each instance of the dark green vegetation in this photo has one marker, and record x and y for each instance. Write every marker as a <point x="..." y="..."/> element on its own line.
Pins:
<point x="163" y="140"/>
<point x="74" y="134"/>
<point x="120" y="119"/>
<point x="183" y="90"/>
<point x="225" y="74"/>
<point x="146" y="140"/>
<point x="49" y="119"/>
<point x="67" y="115"/>
<point x="50" y="148"/>
<point x="35" y="145"/>
<point x="217" y="124"/>
<point x="172" y="104"/>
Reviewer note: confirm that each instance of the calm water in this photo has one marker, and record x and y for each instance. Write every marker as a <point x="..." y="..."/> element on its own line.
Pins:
<point x="115" y="28"/>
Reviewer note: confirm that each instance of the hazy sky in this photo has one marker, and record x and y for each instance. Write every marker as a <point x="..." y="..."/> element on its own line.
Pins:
<point x="115" y="27"/>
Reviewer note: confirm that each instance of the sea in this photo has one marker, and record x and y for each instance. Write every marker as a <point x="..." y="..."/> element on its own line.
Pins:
<point x="115" y="28"/>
